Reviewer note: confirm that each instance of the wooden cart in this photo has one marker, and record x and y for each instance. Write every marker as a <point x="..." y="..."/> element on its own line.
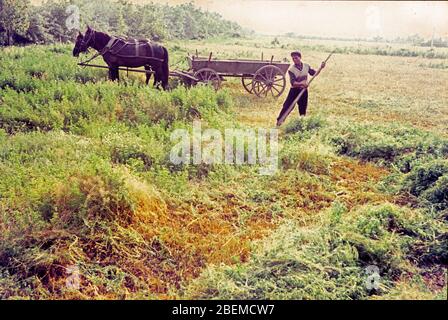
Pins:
<point x="260" y="77"/>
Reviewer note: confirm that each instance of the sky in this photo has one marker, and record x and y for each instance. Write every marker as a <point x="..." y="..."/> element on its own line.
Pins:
<point x="351" y="19"/>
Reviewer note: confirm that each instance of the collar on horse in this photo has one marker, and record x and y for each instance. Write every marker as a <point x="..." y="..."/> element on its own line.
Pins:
<point x="108" y="47"/>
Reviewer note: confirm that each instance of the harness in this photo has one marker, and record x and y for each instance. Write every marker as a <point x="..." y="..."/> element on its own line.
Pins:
<point x="108" y="47"/>
<point x="117" y="45"/>
<point x="123" y="47"/>
<point x="139" y="44"/>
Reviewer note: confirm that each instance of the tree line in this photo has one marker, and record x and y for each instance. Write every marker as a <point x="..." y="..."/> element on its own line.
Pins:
<point x="414" y="39"/>
<point x="52" y="21"/>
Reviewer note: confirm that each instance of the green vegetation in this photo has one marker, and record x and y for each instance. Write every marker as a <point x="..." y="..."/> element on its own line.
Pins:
<point x="414" y="39"/>
<point x="86" y="182"/>
<point x="390" y="144"/>
<point x="363" y="47"/>
<point x="389" y="51"/>
<point x="21" y="22"/>
<point x="12" y="19"/>
<point x="327" y="261"/>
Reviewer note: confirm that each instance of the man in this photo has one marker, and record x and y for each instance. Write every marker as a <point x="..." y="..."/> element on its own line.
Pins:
<point x="298" y="73"/>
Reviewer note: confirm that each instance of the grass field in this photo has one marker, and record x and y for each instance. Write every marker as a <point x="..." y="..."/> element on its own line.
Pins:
<point x="86" y="181"/>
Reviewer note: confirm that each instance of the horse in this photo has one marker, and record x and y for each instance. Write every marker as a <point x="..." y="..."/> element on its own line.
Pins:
<point x="119" y="52"/>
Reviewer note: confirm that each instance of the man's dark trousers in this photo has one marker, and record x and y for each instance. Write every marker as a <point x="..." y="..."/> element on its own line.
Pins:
<point x="302" y="103"/>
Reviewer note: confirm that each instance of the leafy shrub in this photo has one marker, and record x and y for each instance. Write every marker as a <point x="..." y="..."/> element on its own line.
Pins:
<point x="127" y="147"/>
<point x="312" y="157"/>
<point x="90" y="198"/>
<point x="438" y="194"/>
<point x="44" y="94"/>
<point x="87" y="224"/>
<point x="403" y="146"/>
<point x="425" y="177"/>
<point x="329" y="261"/>
<point x="429" y="182"/>
<point x="304" y="125"/>
<point x="293" y="263"/>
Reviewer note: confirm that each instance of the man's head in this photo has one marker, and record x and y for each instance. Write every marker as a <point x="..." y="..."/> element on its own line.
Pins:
<point x="296" y="57"/>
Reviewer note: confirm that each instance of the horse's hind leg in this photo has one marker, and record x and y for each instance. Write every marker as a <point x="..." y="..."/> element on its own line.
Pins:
<point x="162" y="79"/>
<point x="157" y="79"/>
<point x="148" y="74"/>
<point x="165" y="79"/>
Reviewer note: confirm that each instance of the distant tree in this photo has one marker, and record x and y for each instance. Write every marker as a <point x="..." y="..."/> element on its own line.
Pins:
<point x="275" y="41"/>
<point x="378" y="39"/>
<point x="190" y="27"/>
<point x="118" y="22"/>
<point x="46" y="23"/>
<point x="415" y="39"/>
<point x="37" y="31"/>
<point x="14" y="18"/>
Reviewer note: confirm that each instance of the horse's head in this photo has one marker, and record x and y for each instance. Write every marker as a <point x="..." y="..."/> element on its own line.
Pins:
<point x="76" y="49"/>
<point x="83" y="43"/>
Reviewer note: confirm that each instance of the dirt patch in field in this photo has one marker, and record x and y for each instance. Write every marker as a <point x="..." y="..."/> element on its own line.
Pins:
<point x="356" y="182"/>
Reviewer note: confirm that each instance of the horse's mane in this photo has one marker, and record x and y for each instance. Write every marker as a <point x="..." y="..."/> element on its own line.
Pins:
<point x="101" y="33"/>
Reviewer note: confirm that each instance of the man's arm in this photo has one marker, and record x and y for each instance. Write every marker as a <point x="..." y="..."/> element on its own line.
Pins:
<point x="294" y="82"/>
<point x="292" y="78"/>
<point x="315" y="73"/>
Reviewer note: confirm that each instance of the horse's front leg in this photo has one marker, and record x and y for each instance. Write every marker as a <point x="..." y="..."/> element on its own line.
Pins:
<point x="117" y="74"/>
<point x="111" y="74"/>
<point x="114" y="73"/>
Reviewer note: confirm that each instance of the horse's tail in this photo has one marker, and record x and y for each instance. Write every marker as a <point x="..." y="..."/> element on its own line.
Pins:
<point x="165" y="69"/>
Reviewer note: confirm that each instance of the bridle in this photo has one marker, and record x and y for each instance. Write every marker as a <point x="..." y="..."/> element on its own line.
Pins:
<point x="86" y="40"/>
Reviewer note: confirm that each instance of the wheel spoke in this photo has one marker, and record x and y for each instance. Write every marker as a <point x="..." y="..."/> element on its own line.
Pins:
<point x="248" y="83"/>
<point x="264" y="89"/>
<point x="275" y="89"/>
<point x="261" y="75"/>
<point x="271" y="74"/>
<point x="267" y="75"/>
<point x="208" y="76"/>
<point x="269" y="79"/>
<point x="257" y="87"/>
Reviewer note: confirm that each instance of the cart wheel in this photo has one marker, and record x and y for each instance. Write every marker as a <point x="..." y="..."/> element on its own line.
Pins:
<point x="247" y="83"/>
<point x="208" y="76"/>
<point x="269" y="80"/>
